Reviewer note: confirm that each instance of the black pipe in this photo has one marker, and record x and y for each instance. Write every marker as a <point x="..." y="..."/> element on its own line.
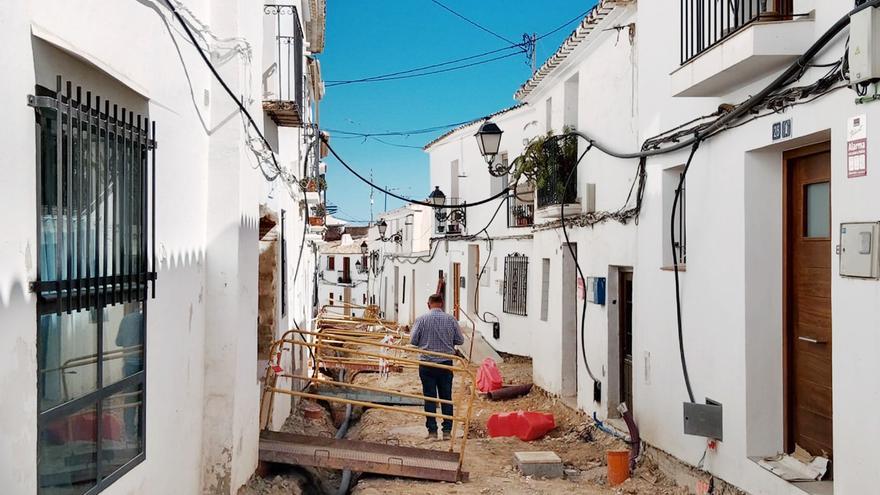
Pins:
<point x="510" y="392"/>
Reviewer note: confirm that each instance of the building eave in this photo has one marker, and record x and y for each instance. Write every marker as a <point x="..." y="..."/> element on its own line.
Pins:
<point x="468" y="124"/>
<point x="584" y="31"/>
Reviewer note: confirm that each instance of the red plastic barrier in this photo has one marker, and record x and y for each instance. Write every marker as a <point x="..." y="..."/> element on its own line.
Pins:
<point x="524" y="425"/>
<point x="488" y="376"/>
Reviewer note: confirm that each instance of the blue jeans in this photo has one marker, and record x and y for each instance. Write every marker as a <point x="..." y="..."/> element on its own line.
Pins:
<point x="437" y="383"/>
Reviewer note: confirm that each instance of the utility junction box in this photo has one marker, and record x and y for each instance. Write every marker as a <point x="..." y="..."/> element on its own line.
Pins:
<point x="864" y="46"/>
<point x="860" y="250"/>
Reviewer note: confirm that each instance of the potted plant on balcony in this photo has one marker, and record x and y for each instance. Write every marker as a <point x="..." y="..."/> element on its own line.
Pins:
<point x="316" y="216"/>
<point x="546" y="162"/>
<point x="523" y="215"/>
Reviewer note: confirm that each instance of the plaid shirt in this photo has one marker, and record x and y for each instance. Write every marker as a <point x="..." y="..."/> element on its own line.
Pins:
<point x="436" y="331"/>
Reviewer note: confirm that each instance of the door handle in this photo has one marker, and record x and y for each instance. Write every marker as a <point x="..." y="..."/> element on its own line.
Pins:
<point x="812" y="340"/>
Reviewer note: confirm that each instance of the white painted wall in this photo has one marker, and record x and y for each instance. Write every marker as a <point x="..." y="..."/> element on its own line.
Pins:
<point x="731" y="291"/>
<point x="201" y="335"/>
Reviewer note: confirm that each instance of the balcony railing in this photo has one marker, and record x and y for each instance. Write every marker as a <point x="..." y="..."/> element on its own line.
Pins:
<point x="705" y="23"/>
<point x="283" y="98"/>
<point x="521" y="208"/>
<point x="559" y="160"/>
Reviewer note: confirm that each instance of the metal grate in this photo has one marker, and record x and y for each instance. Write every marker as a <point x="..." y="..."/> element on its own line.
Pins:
<point x="560" y="158"/>
<point x="516" y="276"/>
<point x="705" y="23"/>
<point x="286" y="104"/>
<point x="97" y="194"/>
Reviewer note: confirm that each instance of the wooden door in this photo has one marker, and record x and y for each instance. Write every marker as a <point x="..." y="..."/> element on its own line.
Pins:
<point x="346" y="269"/>
<point x="808" y="299"/>
<point x="625" y="288"/>
<point x="456" y="288"/>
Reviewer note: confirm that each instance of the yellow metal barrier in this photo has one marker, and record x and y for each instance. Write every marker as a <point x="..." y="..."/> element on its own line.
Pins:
<point x="395" y="355"/>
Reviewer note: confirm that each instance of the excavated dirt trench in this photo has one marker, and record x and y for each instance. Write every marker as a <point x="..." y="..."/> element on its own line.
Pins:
<point x="488" y="460"/>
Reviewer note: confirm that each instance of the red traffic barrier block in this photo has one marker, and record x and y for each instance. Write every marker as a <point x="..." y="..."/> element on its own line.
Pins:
<point x="525" y="425"/>
<point x="488" y="376"/>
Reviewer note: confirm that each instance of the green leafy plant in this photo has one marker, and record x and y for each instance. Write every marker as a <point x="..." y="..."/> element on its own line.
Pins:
<point x="546" y="162"/>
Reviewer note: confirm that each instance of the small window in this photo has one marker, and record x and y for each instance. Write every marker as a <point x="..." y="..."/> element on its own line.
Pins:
<point x="548" y="114"/>
<point x="545" y="288"/>
<point x="331" y="299"/>
<point x="817" y="210"/>
<point x="672" y="177"/>
<point x="331" y="263"/>
<point x="516" y="273"/>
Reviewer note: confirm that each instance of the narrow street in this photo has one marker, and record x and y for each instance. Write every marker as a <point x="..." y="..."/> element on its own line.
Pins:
<point x="248" y="245"/>
<point x="489" y="461"/>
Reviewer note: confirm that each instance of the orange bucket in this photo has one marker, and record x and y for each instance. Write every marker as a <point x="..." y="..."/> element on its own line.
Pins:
<point x="618" y="466"/>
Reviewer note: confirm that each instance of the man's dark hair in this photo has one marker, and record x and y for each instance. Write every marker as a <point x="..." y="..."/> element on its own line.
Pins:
<point x="435" y="299"/>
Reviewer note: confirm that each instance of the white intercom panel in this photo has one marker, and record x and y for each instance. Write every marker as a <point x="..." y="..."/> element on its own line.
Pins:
<point x="860" y="249"/>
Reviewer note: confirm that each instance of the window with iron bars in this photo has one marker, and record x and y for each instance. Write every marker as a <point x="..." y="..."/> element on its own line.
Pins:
<point x="95" y="169"/>
<point x="516" y="275"/>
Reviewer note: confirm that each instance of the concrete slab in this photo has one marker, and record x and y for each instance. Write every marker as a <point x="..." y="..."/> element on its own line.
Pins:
<point x="482" y="348"/>
<point x="543" y="464"/>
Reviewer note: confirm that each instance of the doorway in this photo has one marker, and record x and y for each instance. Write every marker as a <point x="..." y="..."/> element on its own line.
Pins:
<point x="396" y="293"/>
<point x="473" y="289"/>
<point x="569" y="327"/>
<point x="625" y="332"/>
<point x="346" y="270"/>
<point x="807" y="298"/>
<point x="456" y="289"/>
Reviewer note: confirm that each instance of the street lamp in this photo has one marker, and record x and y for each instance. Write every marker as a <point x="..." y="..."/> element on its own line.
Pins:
<point x="374" y="261"/>
<point x="361" y="265"/>
<point x="383" y="227"/>
<point x="455" y="214"/>
<point x="489" y="141"/>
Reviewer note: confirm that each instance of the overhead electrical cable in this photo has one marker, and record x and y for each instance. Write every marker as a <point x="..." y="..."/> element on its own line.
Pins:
<point x="244" y="111"/>
<point x="476" y="24"/>
<point x="429" y="73"/>
<point x="384" y="77"/>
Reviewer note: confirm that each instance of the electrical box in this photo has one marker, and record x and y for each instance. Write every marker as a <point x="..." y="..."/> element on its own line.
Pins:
<point x="864" y="46"/>
<point x="596" y="290"/>
<point x="704" y="420"/>
<point x="860" y="249"/>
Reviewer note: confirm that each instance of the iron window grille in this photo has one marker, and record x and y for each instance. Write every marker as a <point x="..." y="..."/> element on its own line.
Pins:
<point x="560" y="158"/>
<point x="516" y="275"/>
<point x="705" y="23"/>
<point x="96" y="190"/>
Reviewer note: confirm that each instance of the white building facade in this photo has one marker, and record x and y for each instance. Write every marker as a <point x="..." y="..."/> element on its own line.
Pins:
<point x="763" y="230"/>
<point x="130" y="307"/>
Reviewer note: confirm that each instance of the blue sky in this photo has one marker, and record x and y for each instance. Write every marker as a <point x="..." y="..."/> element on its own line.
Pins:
<point x="383" y="36"/>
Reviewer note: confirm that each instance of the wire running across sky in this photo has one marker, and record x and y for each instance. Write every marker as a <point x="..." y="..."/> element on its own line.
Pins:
<point x="425" y="70"/>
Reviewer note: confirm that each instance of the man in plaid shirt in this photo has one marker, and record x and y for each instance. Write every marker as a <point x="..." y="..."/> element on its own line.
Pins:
<point x="436" y="331"/>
